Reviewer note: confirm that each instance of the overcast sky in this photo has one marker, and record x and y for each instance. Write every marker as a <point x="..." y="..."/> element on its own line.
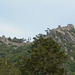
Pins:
<point x="27" y="18"/>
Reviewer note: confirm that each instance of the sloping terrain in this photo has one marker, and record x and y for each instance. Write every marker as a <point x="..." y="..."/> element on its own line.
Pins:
<point x="65" y="36"/>
<point x="13" y="52"/>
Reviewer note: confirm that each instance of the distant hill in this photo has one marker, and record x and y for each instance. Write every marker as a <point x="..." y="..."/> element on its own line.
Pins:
<point x="13" y="48"/>
<point x="15" y="41"/>
<point x="12" y="51"/>
<point x="65" y="36"/>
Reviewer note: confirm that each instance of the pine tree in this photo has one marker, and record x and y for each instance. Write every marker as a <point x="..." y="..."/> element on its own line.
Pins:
<point x="46" y="58"/>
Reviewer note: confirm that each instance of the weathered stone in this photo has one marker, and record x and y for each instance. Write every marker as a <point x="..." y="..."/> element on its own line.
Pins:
<point x="72" y="58"/>
<point x="6" y="41"/>
<point x="70" y="26"/>
<point x="65" y="32"/>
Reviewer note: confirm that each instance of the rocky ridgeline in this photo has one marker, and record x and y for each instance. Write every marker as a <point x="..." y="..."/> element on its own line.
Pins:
<point x="63" y="33"/>
<point x="65" y="36"/>
<point x="7" y="42"/>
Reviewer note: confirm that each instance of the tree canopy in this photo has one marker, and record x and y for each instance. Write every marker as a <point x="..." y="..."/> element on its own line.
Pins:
<point x="46" y="58"/>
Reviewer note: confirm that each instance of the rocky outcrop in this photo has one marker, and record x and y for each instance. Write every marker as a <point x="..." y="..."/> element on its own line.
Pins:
<point x="65" y="36"/>
<point x="64" y="32"/>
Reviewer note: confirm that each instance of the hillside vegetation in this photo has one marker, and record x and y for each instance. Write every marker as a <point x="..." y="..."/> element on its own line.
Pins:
<point x="42" y="57"/>
<point x="65" y="36"/>
<point x="20" y="58"/>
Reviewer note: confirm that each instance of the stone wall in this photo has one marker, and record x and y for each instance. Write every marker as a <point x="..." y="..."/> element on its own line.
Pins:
<point x="6" y="41"/>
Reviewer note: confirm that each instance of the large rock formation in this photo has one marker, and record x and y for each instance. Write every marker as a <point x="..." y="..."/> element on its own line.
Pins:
<point x="67" y="33"/>
<point x="65" y="36"/>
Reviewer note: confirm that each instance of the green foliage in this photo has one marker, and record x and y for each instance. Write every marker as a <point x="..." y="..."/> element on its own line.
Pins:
<point x="12" y="52"/>
<point x="71" y="65"/>
<point x="8" y="68"/>
<point x="70" y="47"/>
<point x="72" y="30"/>
<point x="46" y="58"/>
<point x="71" y="52"/>
<point x="9" y="39"/>
<point x="16" y="40"/>
<point x="9" y="55"/>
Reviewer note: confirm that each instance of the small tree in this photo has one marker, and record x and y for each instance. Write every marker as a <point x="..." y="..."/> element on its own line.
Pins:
<point x="9" y="39"/>
<point x="46" y="58"/>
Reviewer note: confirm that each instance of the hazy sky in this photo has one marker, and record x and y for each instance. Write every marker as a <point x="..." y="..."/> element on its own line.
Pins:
<point x="27" y="18"/>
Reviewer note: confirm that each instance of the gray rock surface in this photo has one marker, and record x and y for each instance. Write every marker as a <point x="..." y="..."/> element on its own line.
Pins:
<point x="65" y="36"/>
